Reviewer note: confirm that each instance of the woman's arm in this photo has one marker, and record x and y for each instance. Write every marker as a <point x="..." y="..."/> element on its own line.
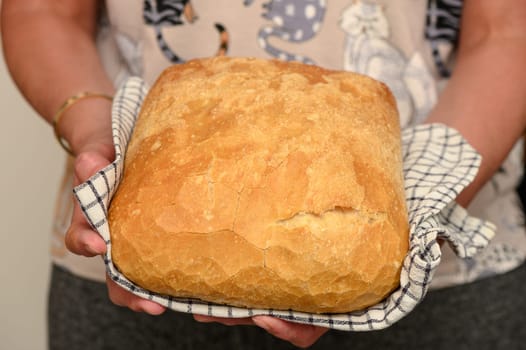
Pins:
<point x="50" y="51"/>
<point x="486" y="97"/>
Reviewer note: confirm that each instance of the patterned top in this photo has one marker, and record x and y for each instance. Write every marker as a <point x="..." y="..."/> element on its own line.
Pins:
<point x="411" y="54"/>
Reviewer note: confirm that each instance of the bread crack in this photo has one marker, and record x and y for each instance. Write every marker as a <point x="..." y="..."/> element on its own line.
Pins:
<point x="280" y="163"/>
<point x="210" y="192"/>
<point x="238" y="201"/>
<point x="338" y="213"/>
<point x="301" y="214"/>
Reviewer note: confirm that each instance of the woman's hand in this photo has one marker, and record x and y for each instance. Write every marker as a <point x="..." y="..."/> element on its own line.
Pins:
<point x="82" y="240"/>
<point x="94" y="148"/>
<point x="300" y="335"/>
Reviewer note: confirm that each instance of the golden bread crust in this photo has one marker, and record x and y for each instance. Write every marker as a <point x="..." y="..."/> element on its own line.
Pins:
<point x="263" y="184"/>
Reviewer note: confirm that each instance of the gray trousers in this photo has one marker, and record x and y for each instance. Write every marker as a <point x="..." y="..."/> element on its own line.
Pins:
<point x="488" y="314"/>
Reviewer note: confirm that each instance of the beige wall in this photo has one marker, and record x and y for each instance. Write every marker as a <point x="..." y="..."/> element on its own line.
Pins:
<point x="31" y="165"/>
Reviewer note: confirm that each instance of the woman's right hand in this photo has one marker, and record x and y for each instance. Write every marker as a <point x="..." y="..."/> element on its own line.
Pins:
<point x="94" y="149"/>
<point x="81" y="239"/>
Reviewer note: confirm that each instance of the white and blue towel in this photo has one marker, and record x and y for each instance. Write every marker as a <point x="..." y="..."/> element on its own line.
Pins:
<point x="438" y="164"/>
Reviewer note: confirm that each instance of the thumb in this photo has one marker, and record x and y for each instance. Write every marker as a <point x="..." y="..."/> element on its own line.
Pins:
<point x="80" y="237"/>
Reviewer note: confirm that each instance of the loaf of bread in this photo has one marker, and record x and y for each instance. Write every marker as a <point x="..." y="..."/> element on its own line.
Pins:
<point x="263" y="184"/>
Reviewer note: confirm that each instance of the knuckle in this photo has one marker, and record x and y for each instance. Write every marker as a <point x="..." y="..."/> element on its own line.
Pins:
<point x="70" y="240"/>
<point x="75" y="244"/>
<point x="120" y="297"/>
<point x="135" y="306"/>
<point x="115" y="297"/>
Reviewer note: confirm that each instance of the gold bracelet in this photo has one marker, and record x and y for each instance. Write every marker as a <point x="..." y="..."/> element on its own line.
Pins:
<point x="64" y="107"/>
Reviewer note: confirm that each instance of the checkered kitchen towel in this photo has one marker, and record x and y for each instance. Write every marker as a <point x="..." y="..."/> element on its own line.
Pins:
<point x="438" y="164"/>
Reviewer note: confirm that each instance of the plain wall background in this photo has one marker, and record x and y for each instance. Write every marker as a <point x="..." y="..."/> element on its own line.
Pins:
<point x="31" y="167"/>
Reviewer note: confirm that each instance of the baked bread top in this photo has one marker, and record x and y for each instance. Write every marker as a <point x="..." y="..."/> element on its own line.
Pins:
<point x="263" y="184"/>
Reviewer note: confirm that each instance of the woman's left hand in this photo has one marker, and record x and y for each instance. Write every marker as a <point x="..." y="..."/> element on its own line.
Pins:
<point x="300" y="335"/>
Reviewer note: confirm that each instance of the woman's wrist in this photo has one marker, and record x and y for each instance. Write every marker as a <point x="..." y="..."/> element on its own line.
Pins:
<point x="69" y="103"/>
<point x="85" y="124"/>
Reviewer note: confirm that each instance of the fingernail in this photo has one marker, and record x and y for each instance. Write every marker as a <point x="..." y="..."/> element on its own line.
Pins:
<point x="96" y="249"/>
<point x="153" y="308"/>
<point x="91" y="250"/>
